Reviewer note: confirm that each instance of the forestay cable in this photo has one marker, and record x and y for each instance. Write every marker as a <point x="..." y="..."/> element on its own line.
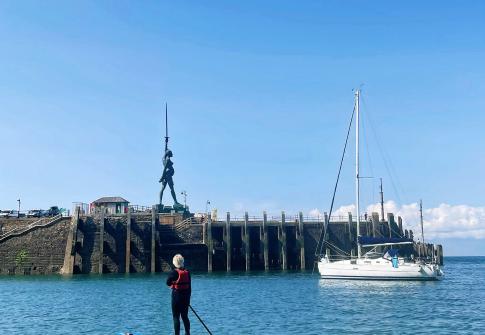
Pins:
<point x="323" y="232"/>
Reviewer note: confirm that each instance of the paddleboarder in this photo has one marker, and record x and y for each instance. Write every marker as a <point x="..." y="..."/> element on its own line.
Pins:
<point x="179" y="281"/>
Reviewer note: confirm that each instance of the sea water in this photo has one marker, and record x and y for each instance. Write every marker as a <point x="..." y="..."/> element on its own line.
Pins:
<point x="248" y="303"/>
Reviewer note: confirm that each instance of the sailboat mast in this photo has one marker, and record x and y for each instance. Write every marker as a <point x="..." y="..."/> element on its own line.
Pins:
<point x="382" y="203"/>
<point x="421" y="215"/>
<point x="357" y="182"/>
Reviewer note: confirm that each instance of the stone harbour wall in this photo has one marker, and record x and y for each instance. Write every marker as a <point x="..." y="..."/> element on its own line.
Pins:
<point x="40" y="251"/>
<point x="147" y="242"/>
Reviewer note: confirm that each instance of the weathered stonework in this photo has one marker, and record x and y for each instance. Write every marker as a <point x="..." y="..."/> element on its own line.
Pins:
<point x="40" y="251"/>
<point x="213" y="246"/>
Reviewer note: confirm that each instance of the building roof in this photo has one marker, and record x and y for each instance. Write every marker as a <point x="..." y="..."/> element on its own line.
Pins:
<point x="105" y="200"/>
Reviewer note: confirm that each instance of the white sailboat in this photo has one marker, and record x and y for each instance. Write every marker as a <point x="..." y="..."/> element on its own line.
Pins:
<point x="372" y="265"/>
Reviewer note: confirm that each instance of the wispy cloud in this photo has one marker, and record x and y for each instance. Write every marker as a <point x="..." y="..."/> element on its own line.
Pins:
<point x="444" y="221"/>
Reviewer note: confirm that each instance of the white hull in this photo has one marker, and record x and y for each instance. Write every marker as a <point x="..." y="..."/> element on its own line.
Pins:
<point x="378" y="269"/>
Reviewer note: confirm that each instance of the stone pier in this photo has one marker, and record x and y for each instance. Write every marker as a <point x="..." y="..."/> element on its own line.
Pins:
<point x="145" y="241"/>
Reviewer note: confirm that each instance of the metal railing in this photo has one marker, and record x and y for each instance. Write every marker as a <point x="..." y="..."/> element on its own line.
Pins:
<point x="84" y="208"/>
<point x="28" y="213"/>
<point x="140" y="209"/>
<point x="188" y="222"/>
<point x="87" y="209"/>
<point x="36" y="224"/>
<point x="289" y="218"/>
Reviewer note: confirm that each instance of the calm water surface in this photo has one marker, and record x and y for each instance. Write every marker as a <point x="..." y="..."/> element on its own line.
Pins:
<point x="256" y="303"/>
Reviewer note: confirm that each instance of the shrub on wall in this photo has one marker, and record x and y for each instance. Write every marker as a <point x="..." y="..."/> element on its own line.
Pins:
<point x="21" y="258"/>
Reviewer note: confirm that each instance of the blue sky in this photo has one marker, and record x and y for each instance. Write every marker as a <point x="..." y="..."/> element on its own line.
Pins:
<point x="259" y="100"/>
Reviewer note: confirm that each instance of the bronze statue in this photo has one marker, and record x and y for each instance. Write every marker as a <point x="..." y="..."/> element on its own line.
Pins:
<point x="168" y="172"/>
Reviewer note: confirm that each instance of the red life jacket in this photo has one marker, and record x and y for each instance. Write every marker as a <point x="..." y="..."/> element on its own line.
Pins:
<point x="183" y="281"/>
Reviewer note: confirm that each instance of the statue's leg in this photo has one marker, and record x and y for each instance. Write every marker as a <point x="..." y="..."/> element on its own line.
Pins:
<point x="164" y="184"/>
<point x="172" y="190"/>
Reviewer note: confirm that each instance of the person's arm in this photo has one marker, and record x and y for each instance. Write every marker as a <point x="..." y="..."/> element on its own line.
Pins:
<point x="172" y="277"/>
<point x="190" y="287"/>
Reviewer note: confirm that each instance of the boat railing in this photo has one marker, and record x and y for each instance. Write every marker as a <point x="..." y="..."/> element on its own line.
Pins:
<point x="352" y="257"/>
<point x="339" y="257"/>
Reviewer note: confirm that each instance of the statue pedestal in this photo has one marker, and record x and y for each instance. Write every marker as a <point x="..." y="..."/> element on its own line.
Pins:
<point x="177" y="208"/>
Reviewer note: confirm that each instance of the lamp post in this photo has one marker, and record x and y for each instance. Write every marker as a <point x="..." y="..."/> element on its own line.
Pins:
<point x="18" y="213"/>
<point x="184" y="193"/>
<point x="207" y="207"/>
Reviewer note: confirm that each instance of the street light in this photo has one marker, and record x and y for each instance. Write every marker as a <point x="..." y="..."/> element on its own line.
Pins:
<point x="207" y="207"/>
<point x="184" y="193"/>
<point x="18" y="213"/>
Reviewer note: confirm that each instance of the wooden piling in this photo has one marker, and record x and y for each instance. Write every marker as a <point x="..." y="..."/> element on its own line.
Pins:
<point x="228" y="242"/>
<point x="301" y="241"/>
<point x="265" y="241"/>
<point x="351" y="239"/>
<point x="282" y="236"/>
<point x="375" y="224"/>
<point x="261" y="244"/>
<point x="247" y="248"/>
<point x="434" y="253"/>
<point x="204" y="233"/>
<point x="399" y="224"/>
<point x="327" y="226"/>
<point x="128" y="241"/>
<point x="390" y="221"/>
<point x="210" y="247"/>
<point x="440" y="254"/>
<point x="152" y="244"/>
<point x="349" y="225"/>
<point x="101" y="240"/>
